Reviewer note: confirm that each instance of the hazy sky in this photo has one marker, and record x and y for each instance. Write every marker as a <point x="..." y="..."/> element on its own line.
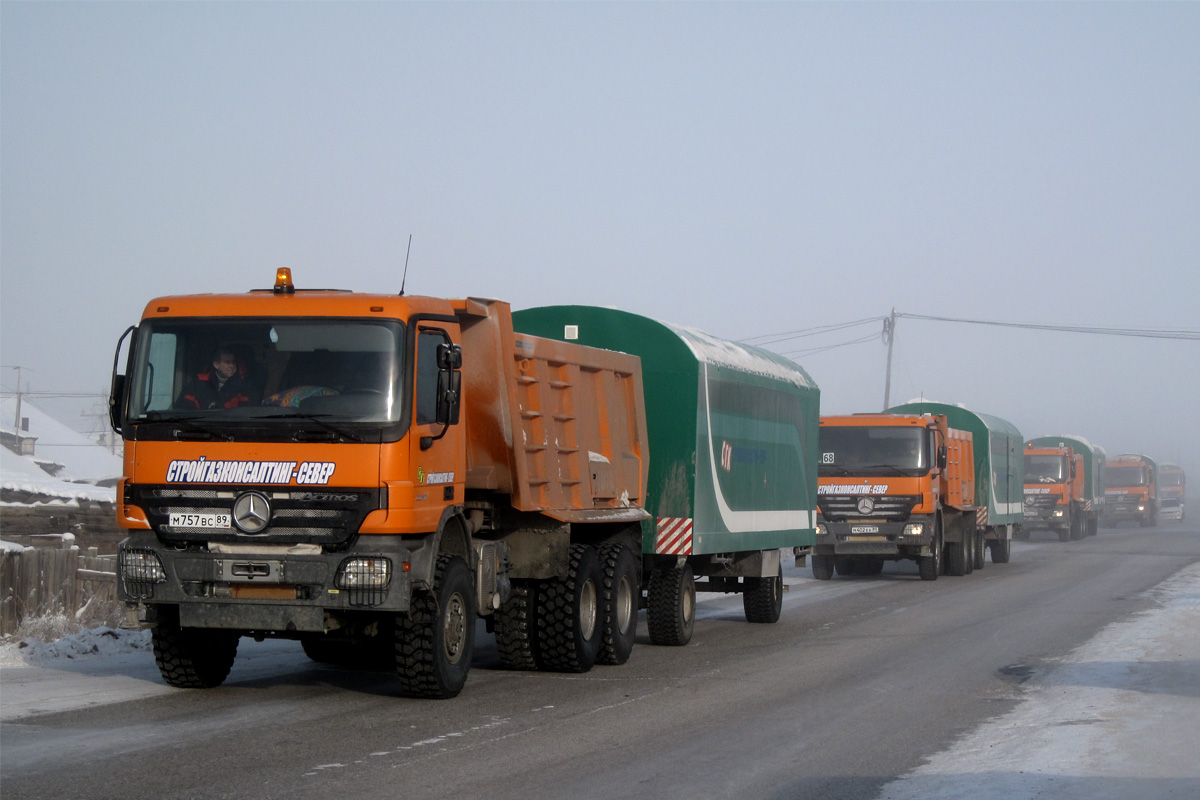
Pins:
<point x="743" y="168"/>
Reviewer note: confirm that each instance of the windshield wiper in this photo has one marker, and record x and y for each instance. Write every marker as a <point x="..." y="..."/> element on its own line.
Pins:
<point x="317" y="418"/>
<point x="195" y="429"/>
<point x="901" y="471"/>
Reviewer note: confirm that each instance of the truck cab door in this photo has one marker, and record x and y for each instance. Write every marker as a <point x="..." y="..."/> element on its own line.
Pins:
<point x="435" y="435"/>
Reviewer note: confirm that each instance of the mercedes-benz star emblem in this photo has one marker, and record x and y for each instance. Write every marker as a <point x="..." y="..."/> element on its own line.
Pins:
<point x="251" y="512"/>
<point x="865" y="505"/>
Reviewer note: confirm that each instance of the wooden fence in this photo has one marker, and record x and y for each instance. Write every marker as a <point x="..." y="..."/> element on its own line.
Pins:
<point x="37" y="581"/>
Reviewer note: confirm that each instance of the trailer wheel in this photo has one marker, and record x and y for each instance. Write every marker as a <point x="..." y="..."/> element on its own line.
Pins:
<point x="515" y="628"/>
<point x="762" y="598"/>
<point x="620" y="592"/>
<point x="436" y="639"/>
<point x="1001" y="550"/>
<point x="930" y="566"/>
<point x="968" y="546"/>
<point x="822" y="567"/>
<point x="671" y="606"/>
<point x="191" y="658"/>
<point x="844" y="566"/>
<point x="979" y="549"/>
<point x="870" y="566"/>
<point x="568" y="618"/>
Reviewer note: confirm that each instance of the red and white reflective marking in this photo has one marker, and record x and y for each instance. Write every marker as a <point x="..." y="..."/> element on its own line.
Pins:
<point x="674" y="536"/>
<point x="981" y="517"/>
<point x="1087" y="505"/>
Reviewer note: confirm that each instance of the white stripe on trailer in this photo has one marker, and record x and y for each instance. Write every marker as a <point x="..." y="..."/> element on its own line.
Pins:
<point x="674" y="536"/>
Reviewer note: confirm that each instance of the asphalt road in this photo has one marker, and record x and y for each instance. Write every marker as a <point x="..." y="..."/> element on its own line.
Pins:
<point x="860" y="680"/>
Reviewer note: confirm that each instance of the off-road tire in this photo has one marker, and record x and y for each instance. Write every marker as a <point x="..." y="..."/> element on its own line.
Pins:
<point x="822" y="567"/>
<point x="980" y="550"/>
<point x="671" y="606"/>
<point x="436" y="639"/>
<point x="569" y="618"/>
<point x="620" y="591"/>
<point x="762" y="598"/>
<point x="870" y="566"/>
<point x="191" y="658"/>
<point x="930" y="567"/>
<point x="1001" y="550"/>
<point x="516" y="634"/>
<point x="956" y="559"/>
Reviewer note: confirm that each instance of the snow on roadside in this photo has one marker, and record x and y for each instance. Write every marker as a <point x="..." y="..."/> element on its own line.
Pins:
<point x="90" y="643"/>
<point x="1116" y="719"/>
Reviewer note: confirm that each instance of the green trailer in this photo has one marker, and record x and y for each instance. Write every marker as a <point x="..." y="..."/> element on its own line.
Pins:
<point x="999" y="471"/>
<point x="1094" y="459"/>
<point x="733" y="436"/>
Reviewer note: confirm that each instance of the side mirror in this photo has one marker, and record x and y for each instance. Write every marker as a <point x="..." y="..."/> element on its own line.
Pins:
<point x="941" y="456"/>
<point x="116" y="395"/>
<point x="449" y="356"/>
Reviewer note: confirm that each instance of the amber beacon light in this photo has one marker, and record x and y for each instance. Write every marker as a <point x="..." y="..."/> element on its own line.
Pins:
<point x="283" y="281"/>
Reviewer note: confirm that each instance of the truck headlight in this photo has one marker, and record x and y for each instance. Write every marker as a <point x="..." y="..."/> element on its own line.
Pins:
<point x="1058" y="513"/>
<point x="821" y="529"/>
<point x="1141" y="508"/>
<point x="914" y="529"/>
<point x="139" y="571"/>
<point x="364" y="572"/>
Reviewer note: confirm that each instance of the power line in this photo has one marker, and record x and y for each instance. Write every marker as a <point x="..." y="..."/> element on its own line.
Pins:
<point x="1144" y="333"/>
<point x="773" y="338"/>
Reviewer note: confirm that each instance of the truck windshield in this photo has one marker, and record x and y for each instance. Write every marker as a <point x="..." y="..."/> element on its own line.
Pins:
<point x="268" y="371"/>
<point x="1170" y="478"/>
<point x="1125" y="476"/>
<point x="866" y="451"/>
<point x="1045" y="468"/>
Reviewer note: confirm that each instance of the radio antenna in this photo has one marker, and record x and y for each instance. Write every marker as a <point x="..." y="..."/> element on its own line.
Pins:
<point x="406" y="254"/>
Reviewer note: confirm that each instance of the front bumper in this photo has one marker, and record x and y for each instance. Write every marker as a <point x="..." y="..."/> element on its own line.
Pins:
<point x="875" y="538"/>
<point x="269" y="589"/>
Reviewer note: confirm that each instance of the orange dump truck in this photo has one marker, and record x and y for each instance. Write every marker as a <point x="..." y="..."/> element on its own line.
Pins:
<point x="1131" y="490"/>
<point x="1064" y="486"/>
<point x="369" y="474"/>
<point x="892" y="487"/>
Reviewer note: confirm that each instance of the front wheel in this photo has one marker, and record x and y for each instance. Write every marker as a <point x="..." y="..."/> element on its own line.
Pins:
<point x="191" y="658"/>
<point x="930" y="566"/>
<point x="822" y="567"/>
<point x="436" y="639"/>
<point x="762" y="598"/>
<point x="671" y="605"/>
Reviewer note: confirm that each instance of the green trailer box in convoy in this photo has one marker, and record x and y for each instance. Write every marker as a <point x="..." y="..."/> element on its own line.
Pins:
<point x="999" y="455"/>
<point x="733" y="432"/>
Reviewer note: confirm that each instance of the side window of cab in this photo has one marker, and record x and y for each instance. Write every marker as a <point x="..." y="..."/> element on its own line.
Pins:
<point x="427" y="377"/>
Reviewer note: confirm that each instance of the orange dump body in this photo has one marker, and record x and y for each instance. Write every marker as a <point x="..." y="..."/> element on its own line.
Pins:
<point x="559" y="427"/>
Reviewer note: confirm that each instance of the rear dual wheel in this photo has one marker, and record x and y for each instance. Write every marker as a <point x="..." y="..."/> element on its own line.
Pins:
<point x="569" y="617"/>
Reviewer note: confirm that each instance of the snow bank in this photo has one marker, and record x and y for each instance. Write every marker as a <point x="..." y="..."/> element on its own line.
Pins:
<point x="87" y="644"/>
<point x="1116" y="719"/>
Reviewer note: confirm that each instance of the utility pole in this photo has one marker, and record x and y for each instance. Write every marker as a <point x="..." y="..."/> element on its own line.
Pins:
<point x="889" y="333"/>
<point x="17" y="419"/>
